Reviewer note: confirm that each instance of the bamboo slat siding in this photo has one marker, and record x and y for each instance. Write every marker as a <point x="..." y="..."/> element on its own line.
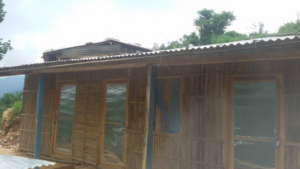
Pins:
<point x="28" y="117"/>
<point x="200" y="142"/>
<point x="136" y="120"/>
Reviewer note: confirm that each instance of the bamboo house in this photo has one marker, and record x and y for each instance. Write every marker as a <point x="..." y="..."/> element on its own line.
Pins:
<point x="121" y="106"/>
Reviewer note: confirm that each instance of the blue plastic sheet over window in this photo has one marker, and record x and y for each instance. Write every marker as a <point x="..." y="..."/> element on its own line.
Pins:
<point x="167" y="98"/>
<point x="65" y="119"/>
<point x="254" y="125"/>
<point x="114" y="134"/>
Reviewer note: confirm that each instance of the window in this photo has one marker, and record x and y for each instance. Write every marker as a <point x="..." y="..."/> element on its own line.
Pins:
<point x="167" y="97"/>
<point x="114" y="129"/>
<point x="65" y="119"/>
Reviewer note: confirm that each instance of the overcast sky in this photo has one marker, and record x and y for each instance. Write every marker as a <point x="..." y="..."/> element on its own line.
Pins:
<point x="34" y="26"/>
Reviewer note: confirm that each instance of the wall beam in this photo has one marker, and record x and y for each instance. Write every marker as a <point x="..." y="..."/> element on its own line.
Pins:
<point x="39" y="116"/>
<point x="150" y="116"/>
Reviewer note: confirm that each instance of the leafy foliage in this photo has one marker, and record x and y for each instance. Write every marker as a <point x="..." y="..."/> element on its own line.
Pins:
<point x="2" y="12"/>
<point x="4" y="46"/>
<point x="212" y="26"/>
<point x="292" y="27"/>
<point x="230" y="36"/>
<point x="162" y="47"/>
<point x="155" y="46"/>
<point x="8" y="100"/>
<point x="210" y="23"/>
<point x="174" y="44"/>
<point x="185" y="41"/>
<point x="16" y="111"/>
<point x="192" y="39"/>
<point x="258" y="30"/>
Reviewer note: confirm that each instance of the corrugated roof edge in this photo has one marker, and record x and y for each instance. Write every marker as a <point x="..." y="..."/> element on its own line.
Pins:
<point x="205" y="47"/>
<point x="15" y="162"/>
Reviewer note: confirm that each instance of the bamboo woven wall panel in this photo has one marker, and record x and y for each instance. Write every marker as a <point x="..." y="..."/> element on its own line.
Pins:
<point x="200" y="144"/>
<point x="292" y="118"/>
<point x="31" y="82"/>
<point x="28" y="121"/>
<point x="136" y="121"/>
<point x="92" y="129"/>
<point x="49" y="105"/>
<point x="292" y="157"/>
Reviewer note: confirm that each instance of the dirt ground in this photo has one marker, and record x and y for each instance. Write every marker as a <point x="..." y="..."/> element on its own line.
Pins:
<point x="12" y="151"/>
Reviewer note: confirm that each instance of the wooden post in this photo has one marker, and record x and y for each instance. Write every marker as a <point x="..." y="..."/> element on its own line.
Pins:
<point x="150" y="114"/>
<point x="39" y="116"/>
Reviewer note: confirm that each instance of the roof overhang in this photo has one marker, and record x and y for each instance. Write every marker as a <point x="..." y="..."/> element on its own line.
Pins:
<point x="263" y="50"/>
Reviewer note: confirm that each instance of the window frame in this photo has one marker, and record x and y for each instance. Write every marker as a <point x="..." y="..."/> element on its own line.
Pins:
<point x="181" y="82"/>
<point x="103" y="122"/>
<point x="55" y="120"/>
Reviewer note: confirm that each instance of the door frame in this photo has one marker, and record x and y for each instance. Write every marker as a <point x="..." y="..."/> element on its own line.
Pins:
<point x="228" y="123"/>
<point x="55" y="153"/>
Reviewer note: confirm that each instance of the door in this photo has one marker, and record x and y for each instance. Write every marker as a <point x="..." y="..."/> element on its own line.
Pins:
<point x="64" y="119"/>
<point x="254" y="128"/>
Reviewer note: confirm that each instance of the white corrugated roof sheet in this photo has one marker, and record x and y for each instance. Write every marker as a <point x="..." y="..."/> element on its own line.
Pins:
<point x="15" y="162"/>
<point x="207" y="47"/>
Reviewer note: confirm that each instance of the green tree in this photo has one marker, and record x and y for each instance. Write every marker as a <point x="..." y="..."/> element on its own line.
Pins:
<point x="192" y="39"/>
<point x="4" y="46"/>
<point x="162" y="47"/>
<point x="155" y="46"/>
<point x="16" y="111"/>
<point x="210" y="23"/>
<point x="9" y="99"/>
<point x="292" y="27"/>
<point x="174" y="44"/>
<point x="258" y="31"/>
<point x="229" y="36"/>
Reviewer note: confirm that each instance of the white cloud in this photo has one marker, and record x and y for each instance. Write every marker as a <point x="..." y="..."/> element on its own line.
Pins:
<point x="35" y="25"/>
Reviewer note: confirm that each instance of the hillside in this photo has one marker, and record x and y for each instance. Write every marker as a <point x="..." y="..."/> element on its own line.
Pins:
<point x="11" y="84"/>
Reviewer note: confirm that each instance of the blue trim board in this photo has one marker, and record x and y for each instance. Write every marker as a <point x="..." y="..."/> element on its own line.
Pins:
<point x="39" y="116"/>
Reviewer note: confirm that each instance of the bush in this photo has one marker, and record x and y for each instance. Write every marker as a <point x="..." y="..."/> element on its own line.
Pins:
<point x="292" y="27"/>
<point x="16" y="111"/>
<point x="8" y="101"/>
<point x="230" y="36"/>
<point x="2" y="109"/>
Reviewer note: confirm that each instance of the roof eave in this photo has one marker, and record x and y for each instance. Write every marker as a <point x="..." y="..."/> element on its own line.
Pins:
<point x="250" y="52"/>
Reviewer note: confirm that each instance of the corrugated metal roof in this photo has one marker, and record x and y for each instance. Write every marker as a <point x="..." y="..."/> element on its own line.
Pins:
<point x="15" y="162"/>
<point x="242" y="43"/>
<point x="99" y="43"/>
